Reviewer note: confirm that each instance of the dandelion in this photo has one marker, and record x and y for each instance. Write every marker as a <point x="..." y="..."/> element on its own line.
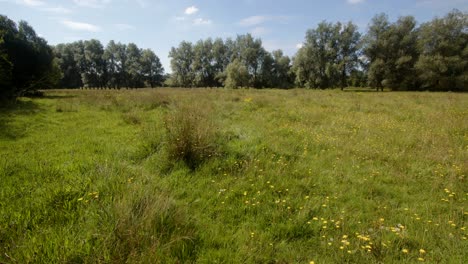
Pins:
<point x="420" y="259"/>
<point x="405" y="251"/>
<point x="422" y="251"/>
<point x="311" y="262"/>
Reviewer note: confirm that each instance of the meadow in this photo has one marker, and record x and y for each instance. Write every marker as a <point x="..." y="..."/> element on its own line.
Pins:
<point x="234" y="176"/>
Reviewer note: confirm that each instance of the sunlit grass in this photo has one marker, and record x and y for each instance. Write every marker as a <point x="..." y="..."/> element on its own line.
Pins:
<point x="297" y="176"/>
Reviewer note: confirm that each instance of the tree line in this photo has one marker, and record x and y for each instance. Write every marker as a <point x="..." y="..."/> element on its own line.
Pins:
<point x="399" y="55"/>
<point x="26" y="60"/>
<point x="28" y="63"/>
<point x="89" y="64"/>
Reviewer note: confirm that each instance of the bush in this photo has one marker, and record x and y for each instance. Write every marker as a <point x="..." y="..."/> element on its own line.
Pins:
<point x="191" y="135"/>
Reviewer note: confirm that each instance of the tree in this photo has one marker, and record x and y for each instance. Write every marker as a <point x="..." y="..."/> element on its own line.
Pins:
<point x="348" y="52"/>
<point x="203" y="64"/>
<point x="376" y="50"/>
<point x="181" y="64"/>
<point x="249" y="51"/>
<point x="282" y="70"/>
<point x="26" y="60"/>
<point x="65" y="58"/>
<point x="317" y="62"/>
<point x="151" y="68"/>
<point x="133" y="69"/>
<point x="237" y="75"/>
<point x="443" y="43"/>
<point x="94" y="74"/>
<point x="6" y="67"/>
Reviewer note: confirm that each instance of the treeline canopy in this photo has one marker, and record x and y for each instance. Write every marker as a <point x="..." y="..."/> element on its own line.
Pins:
<point x="26" y="60"/>
<point x="89" y="64"/>
<point x="242" y="62"/>
<point x="399" y="55"/>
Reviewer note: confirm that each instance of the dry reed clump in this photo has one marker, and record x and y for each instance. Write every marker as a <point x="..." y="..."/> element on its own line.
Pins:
<point x="149" y="226"/>
<point x="191" y="135"/>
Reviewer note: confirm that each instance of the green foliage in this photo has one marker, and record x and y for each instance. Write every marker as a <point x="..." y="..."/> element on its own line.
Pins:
<point x="205" y="64"/>
<point x="237" y="75"/>
<point x="392" y="51"/>
<point x="26" y="61"/>
<point x="181" y="64"/>
<point x="444" y="53"/>
<point x="329" y="55"/>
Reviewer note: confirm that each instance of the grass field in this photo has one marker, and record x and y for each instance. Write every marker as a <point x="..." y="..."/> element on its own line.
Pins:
<point x="234" y="176"/>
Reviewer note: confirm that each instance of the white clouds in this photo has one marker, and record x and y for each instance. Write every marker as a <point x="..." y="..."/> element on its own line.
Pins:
<point x="142" y="3"/>
<point x="201" y="21"/>
<point x="57" y="10"/>
<point x="259" y="31"/>
<point x="299" y="45"/>
<point x="79" y="26"/>
<point x="92" y="3"/>
<point x="253" y="20"/>
<point x="124" y="27"/>
<point x="354" y="2"/>
<point x="31" y="3"/>
<point x="259" y="19"/>
<point x="191" y="10"/>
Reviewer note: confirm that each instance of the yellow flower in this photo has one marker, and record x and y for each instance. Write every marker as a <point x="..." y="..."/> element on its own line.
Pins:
<point x="311" y="262"/>
<point x="420" y="259"/>
<point x="422" y="251"/>
<point x="405" y="251"/>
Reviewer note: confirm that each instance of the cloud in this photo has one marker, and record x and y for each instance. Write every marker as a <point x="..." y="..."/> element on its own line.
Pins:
<point x="201" y="21"/>
<point x="259" y="31"/>
<point x="81" y="26"/>
<point x="124" y="27"/>
<point x="57" y="10"/>
<point x="299" y="45"/>
<point x="260" y="19"/>
<point x="355" y="2"/>
<point x="253" y="20"/>
<point x="142" y="3"/>
<point x="31" y="3"/>
<point x="180" y="18"/>
<point x="92" y="3"/>
<point x="191" y="10"/>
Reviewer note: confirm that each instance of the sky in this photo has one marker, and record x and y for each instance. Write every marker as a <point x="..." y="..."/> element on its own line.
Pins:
<point x="162" y="24"/>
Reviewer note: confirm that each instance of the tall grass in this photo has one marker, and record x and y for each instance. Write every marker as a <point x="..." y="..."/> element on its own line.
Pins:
<point x="192" y="135"/>
<point x="240" y="176"/>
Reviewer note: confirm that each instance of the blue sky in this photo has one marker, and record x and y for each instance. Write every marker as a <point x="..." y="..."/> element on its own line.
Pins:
<point x="162" y="24"/>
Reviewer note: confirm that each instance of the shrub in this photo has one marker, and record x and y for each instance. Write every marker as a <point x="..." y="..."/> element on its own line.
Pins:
<point x="191" y="135"/>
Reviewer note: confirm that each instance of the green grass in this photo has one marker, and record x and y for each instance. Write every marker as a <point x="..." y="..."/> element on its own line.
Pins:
<point x="234" y="176"/>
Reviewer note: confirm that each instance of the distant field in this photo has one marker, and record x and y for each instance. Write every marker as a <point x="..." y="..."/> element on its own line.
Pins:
<point x="234" y="176"/>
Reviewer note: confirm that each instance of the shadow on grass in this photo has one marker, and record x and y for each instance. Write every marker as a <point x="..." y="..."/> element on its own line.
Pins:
<point x="363" y="90"/>
<point x="55" y="96"/>
<point x="10" y="109"/>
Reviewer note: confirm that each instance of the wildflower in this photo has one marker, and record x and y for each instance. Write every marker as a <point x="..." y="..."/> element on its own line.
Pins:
<point x="420" y="259"/>
<point x="422" y="251"/>
<point x="311" y="262"/>
<point x="405" y="251"/>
